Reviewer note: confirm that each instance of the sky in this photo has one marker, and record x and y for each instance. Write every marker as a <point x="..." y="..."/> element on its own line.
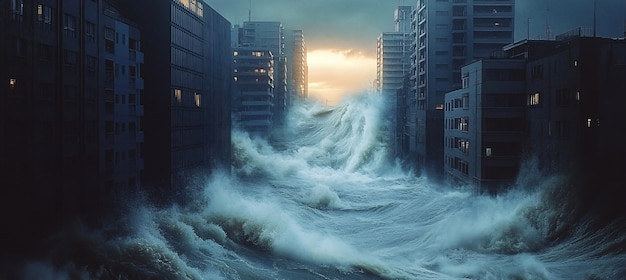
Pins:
<point x="341" y="34"/>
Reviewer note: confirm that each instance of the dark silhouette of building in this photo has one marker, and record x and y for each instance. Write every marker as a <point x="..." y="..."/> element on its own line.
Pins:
<point x="566" y="115"/>
<point x="187" y="81"/>
<point x="120" y="107"/>
<point x="55" y="83"/>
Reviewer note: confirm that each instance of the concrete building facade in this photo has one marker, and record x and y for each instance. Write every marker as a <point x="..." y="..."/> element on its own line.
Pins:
<point x="187" y="81"/>
<point x="253" y="100"/>
<point x="485" y="125"/>
<point x="447" y="35"/>
<point x="270" y="35"/>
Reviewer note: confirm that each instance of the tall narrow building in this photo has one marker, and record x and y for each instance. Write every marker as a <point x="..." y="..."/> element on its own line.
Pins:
<point x="187" y="81"/>
<point x="297" y="66"/>
<point x="270" y="35"/>
<point x="448" y="34"/>
<point x="253" y="101"/>
<point x="120" y="101"/>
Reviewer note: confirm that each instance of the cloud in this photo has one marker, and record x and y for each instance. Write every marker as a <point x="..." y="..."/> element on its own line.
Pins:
<point x="334" y="73"/>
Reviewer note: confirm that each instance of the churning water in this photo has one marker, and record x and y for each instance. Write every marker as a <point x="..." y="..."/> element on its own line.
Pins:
<point x="323" y="201"/>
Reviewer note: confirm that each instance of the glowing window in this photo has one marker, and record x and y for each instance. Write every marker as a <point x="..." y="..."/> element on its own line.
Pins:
<point x="178" y="94"/>
<point x="197" y="99"/>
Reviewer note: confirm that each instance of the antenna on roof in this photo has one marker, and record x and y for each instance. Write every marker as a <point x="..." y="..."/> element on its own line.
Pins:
<point x="594" y="18"/>
<point x="250" y="12"/>
<point x="547" y="25"/>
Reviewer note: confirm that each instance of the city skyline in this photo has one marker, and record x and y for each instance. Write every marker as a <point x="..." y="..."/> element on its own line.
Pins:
<point x="341" y="35"/>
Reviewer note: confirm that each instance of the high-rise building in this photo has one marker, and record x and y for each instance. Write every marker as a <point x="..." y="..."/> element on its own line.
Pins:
<point x="70" y="95"/>
<point x="120" y="99"/>
<point x="393" y="52"/>
<point x="253" y="100"/>
<point x="270" y="35"/>
<point x="297" y="66"/>
<point x="187" y="77"/>
<point x="485" y="124"/>
<point x="448" y="34"/>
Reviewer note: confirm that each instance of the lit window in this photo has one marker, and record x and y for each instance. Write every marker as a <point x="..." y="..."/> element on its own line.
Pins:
<point x="589" y="121"/>
<point x="577" y="95"/>
<point x="439" y="107"/>
<point x="533" y="99"/>
<point x="178" y="94"/>
<point x="197" y="99"/>
<point x="235" y="78"/>
<point x="488" y="151"/>
<point x="44" y="14"/>
<point x="12" y="83"/>
<point x="236" y="53"/>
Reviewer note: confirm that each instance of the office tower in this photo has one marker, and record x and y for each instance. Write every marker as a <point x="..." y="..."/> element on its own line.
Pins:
<point x="253" y="102"/>
<point x="297" y="66"/>
<point x="393" y="52"/>
<point x="448" y="34"/>
<point x="187" y="77"/>
<point x="269" y="35"/>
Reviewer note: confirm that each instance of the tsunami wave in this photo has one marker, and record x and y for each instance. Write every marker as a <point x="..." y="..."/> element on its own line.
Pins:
<point x="323" y="199"/>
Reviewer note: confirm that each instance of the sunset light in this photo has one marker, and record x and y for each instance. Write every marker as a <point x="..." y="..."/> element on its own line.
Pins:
<point x="334" y="74"/>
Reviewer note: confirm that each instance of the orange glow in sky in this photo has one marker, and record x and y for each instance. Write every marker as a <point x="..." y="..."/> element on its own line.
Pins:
<point x="334" y="74"/>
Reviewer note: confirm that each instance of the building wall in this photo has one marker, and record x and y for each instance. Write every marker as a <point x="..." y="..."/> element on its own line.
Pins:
<point x="485" y="125"/>
<point x="182" y="76"/>
<point x="270" y="35"/>
<point x="119" y="62"/>
<point x="49" y="117"/>
<point x="254" y="82"/>
<point x="448" y="35"/>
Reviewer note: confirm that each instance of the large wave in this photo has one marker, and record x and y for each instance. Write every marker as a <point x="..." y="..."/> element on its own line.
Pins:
<point x="322" y="199"/>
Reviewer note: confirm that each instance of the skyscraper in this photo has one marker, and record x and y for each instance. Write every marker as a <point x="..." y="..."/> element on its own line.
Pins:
<point x="448" y="34"/>
<point x="187" y="81"/>
<point x="270" y="35"/>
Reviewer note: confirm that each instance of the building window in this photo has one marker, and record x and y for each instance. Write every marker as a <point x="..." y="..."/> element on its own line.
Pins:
<point x="197" y="99"/>
<point x="109" y="40"/>
<point x="488" y="151"/>
<point x="91" y="63"/>
<point x="12" y="83"/>
<point x="465" y="81"/>
<point x="533" y="99"/>
<point x="90" y="31"/>
<point x="69" y="25"/>
<point x="109" y="74"/>
<point x="70" y="58"/>
<point x="178" y="95"/>
<point x="44" y="16"/>
<point x="17" y="10"/>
